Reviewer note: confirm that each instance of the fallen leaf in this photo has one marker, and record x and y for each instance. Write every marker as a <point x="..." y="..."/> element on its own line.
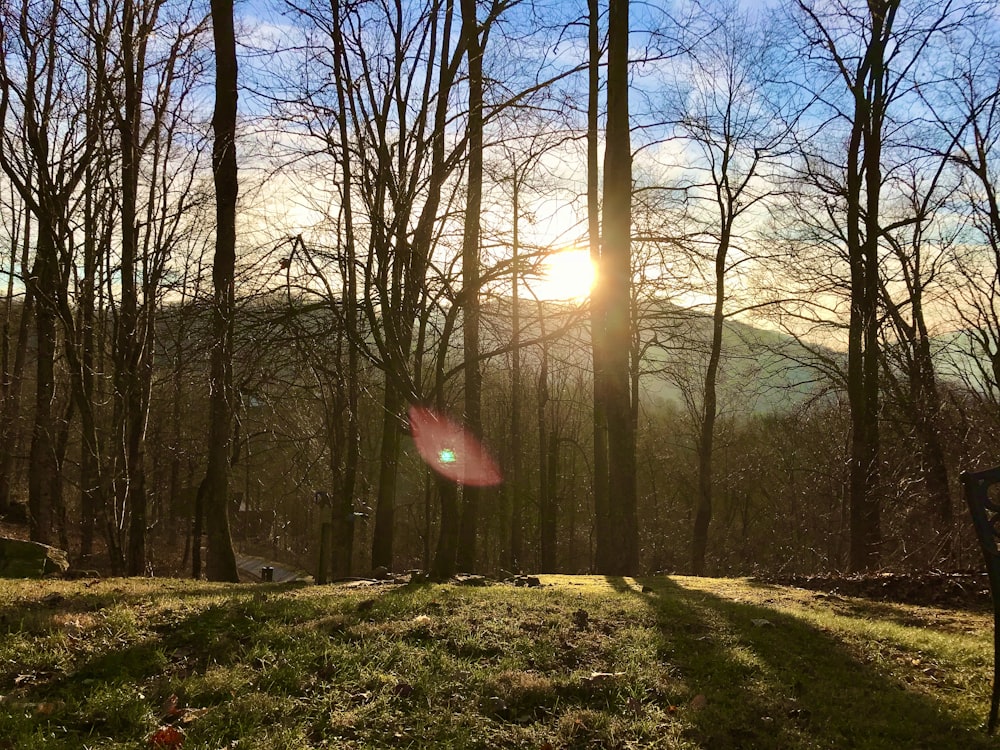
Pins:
<point x="169" y="709"/>
<point x="192" y="714"/>
<point x="167" y="737"/>
<point x="421" y="620"/>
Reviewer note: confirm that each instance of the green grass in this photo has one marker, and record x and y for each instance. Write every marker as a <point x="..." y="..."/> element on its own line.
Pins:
<point x="584" y="662"/>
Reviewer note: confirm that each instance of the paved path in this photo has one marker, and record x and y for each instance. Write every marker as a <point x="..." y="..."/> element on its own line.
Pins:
<point x="251" y="565"/>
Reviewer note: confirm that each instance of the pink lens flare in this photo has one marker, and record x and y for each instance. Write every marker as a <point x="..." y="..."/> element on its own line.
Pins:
<point x="451" y="451"/>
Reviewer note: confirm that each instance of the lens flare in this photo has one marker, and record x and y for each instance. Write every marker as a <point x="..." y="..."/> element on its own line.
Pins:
<point x="450" y="450"/>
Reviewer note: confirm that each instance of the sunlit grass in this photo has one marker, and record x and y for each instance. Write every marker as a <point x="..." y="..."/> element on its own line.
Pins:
<point x="582" y="662"/>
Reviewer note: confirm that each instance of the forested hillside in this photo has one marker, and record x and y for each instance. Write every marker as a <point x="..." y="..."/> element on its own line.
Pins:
<point x="714" y="283"/>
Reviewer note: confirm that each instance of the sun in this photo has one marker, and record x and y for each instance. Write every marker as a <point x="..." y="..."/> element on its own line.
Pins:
<point x="566" y="275"/>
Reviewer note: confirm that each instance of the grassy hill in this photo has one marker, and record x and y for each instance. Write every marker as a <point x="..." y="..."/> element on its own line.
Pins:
<point x="580" y="662"/>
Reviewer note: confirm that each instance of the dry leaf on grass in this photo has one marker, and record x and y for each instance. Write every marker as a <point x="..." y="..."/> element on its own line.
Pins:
<point x="166" y="738"/>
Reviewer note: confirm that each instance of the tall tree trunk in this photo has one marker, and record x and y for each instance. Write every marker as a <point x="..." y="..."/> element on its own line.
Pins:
<point x="90" y="472"/>
<point x="548" y="512"/>
<point x="515" y="551"/>
<point x="470" y="279"/>
<point x="343" y="537"/>
<point x="12" y="379"/>
<point x="598" y="313"/>
<point x="221" y="562"/>
<point x="128" y="479"/>
<point x="42" y="466"/>
<point x="542" y="401"/>
<point x="616" y="276"/>
<point x="706" y="437"/>
<point x="864" y="169"/>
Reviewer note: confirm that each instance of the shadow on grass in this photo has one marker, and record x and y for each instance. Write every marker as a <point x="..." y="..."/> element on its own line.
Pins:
<point x="115" y="691"/>
<point x="107" y="593"/>
<point x="771" y="680"/>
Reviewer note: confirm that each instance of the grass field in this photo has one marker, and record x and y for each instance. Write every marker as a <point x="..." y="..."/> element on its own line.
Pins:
<point x="582" y="662"/>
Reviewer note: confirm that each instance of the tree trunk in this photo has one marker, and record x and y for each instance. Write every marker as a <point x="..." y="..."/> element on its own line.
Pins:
<point x="128" y="475"/>
<point x="548" y="515"/>
<point x="598" y="314"/>
<point x="706" y="438"/>
<point x="221" y="562"/>
<point x="616" y="276"/>
<point x="42" y="466"/>
<point x="470" y="279"/>
<point x="343" y="541"/>
<point x="385" y="514"/>
<point x="515" y="551"/>
<point x="443" y="566"/>
<point x="543" y="456"/>
<point x="10" y="413"/>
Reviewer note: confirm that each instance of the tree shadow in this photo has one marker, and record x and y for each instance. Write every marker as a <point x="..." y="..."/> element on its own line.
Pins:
<point x="771" y="680"/>
<point x="46" y="612"/>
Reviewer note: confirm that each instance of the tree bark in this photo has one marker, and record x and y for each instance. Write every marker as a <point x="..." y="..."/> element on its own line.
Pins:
<point x="385" y="513"/>
<point x="616" y="276"/>
<point x="129" y="474"/>
<point x="864" y="168"/>
<point x="548" y="515"/>
<point x="42" y="465"/>
<point x="598" y="313"/>
<point x="706" y="437"/>
<point x="468" y="528"/>
<point x="515" y="550"/>
<point x="445" y="555"/>
<point x="221" y="560"/>
<point x="10" y="391"/>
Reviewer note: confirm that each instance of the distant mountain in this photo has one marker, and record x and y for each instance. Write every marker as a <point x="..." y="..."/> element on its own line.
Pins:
<point x="762" y="371"/>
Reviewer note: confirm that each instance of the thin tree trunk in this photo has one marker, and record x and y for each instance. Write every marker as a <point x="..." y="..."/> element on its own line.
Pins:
<point x="515" y="551"/>
<point x="548" y="521"/>
<point x="344" y="535"/>
<point x="542" y="400"/>
<point x="129" y="484"/>
<point x="470" y="279"/>
<point x="598" y="312"/>
<point x="706" y="438"/>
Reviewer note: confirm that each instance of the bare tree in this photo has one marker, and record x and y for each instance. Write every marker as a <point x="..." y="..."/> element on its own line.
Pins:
<point x="14" y="333"/>
<point x="613" y="298"/>
<point x="214" y="490"/>
<point x="733" y="118"/>
<point x="872" y="53"/>
<point x="39" y="86"/>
